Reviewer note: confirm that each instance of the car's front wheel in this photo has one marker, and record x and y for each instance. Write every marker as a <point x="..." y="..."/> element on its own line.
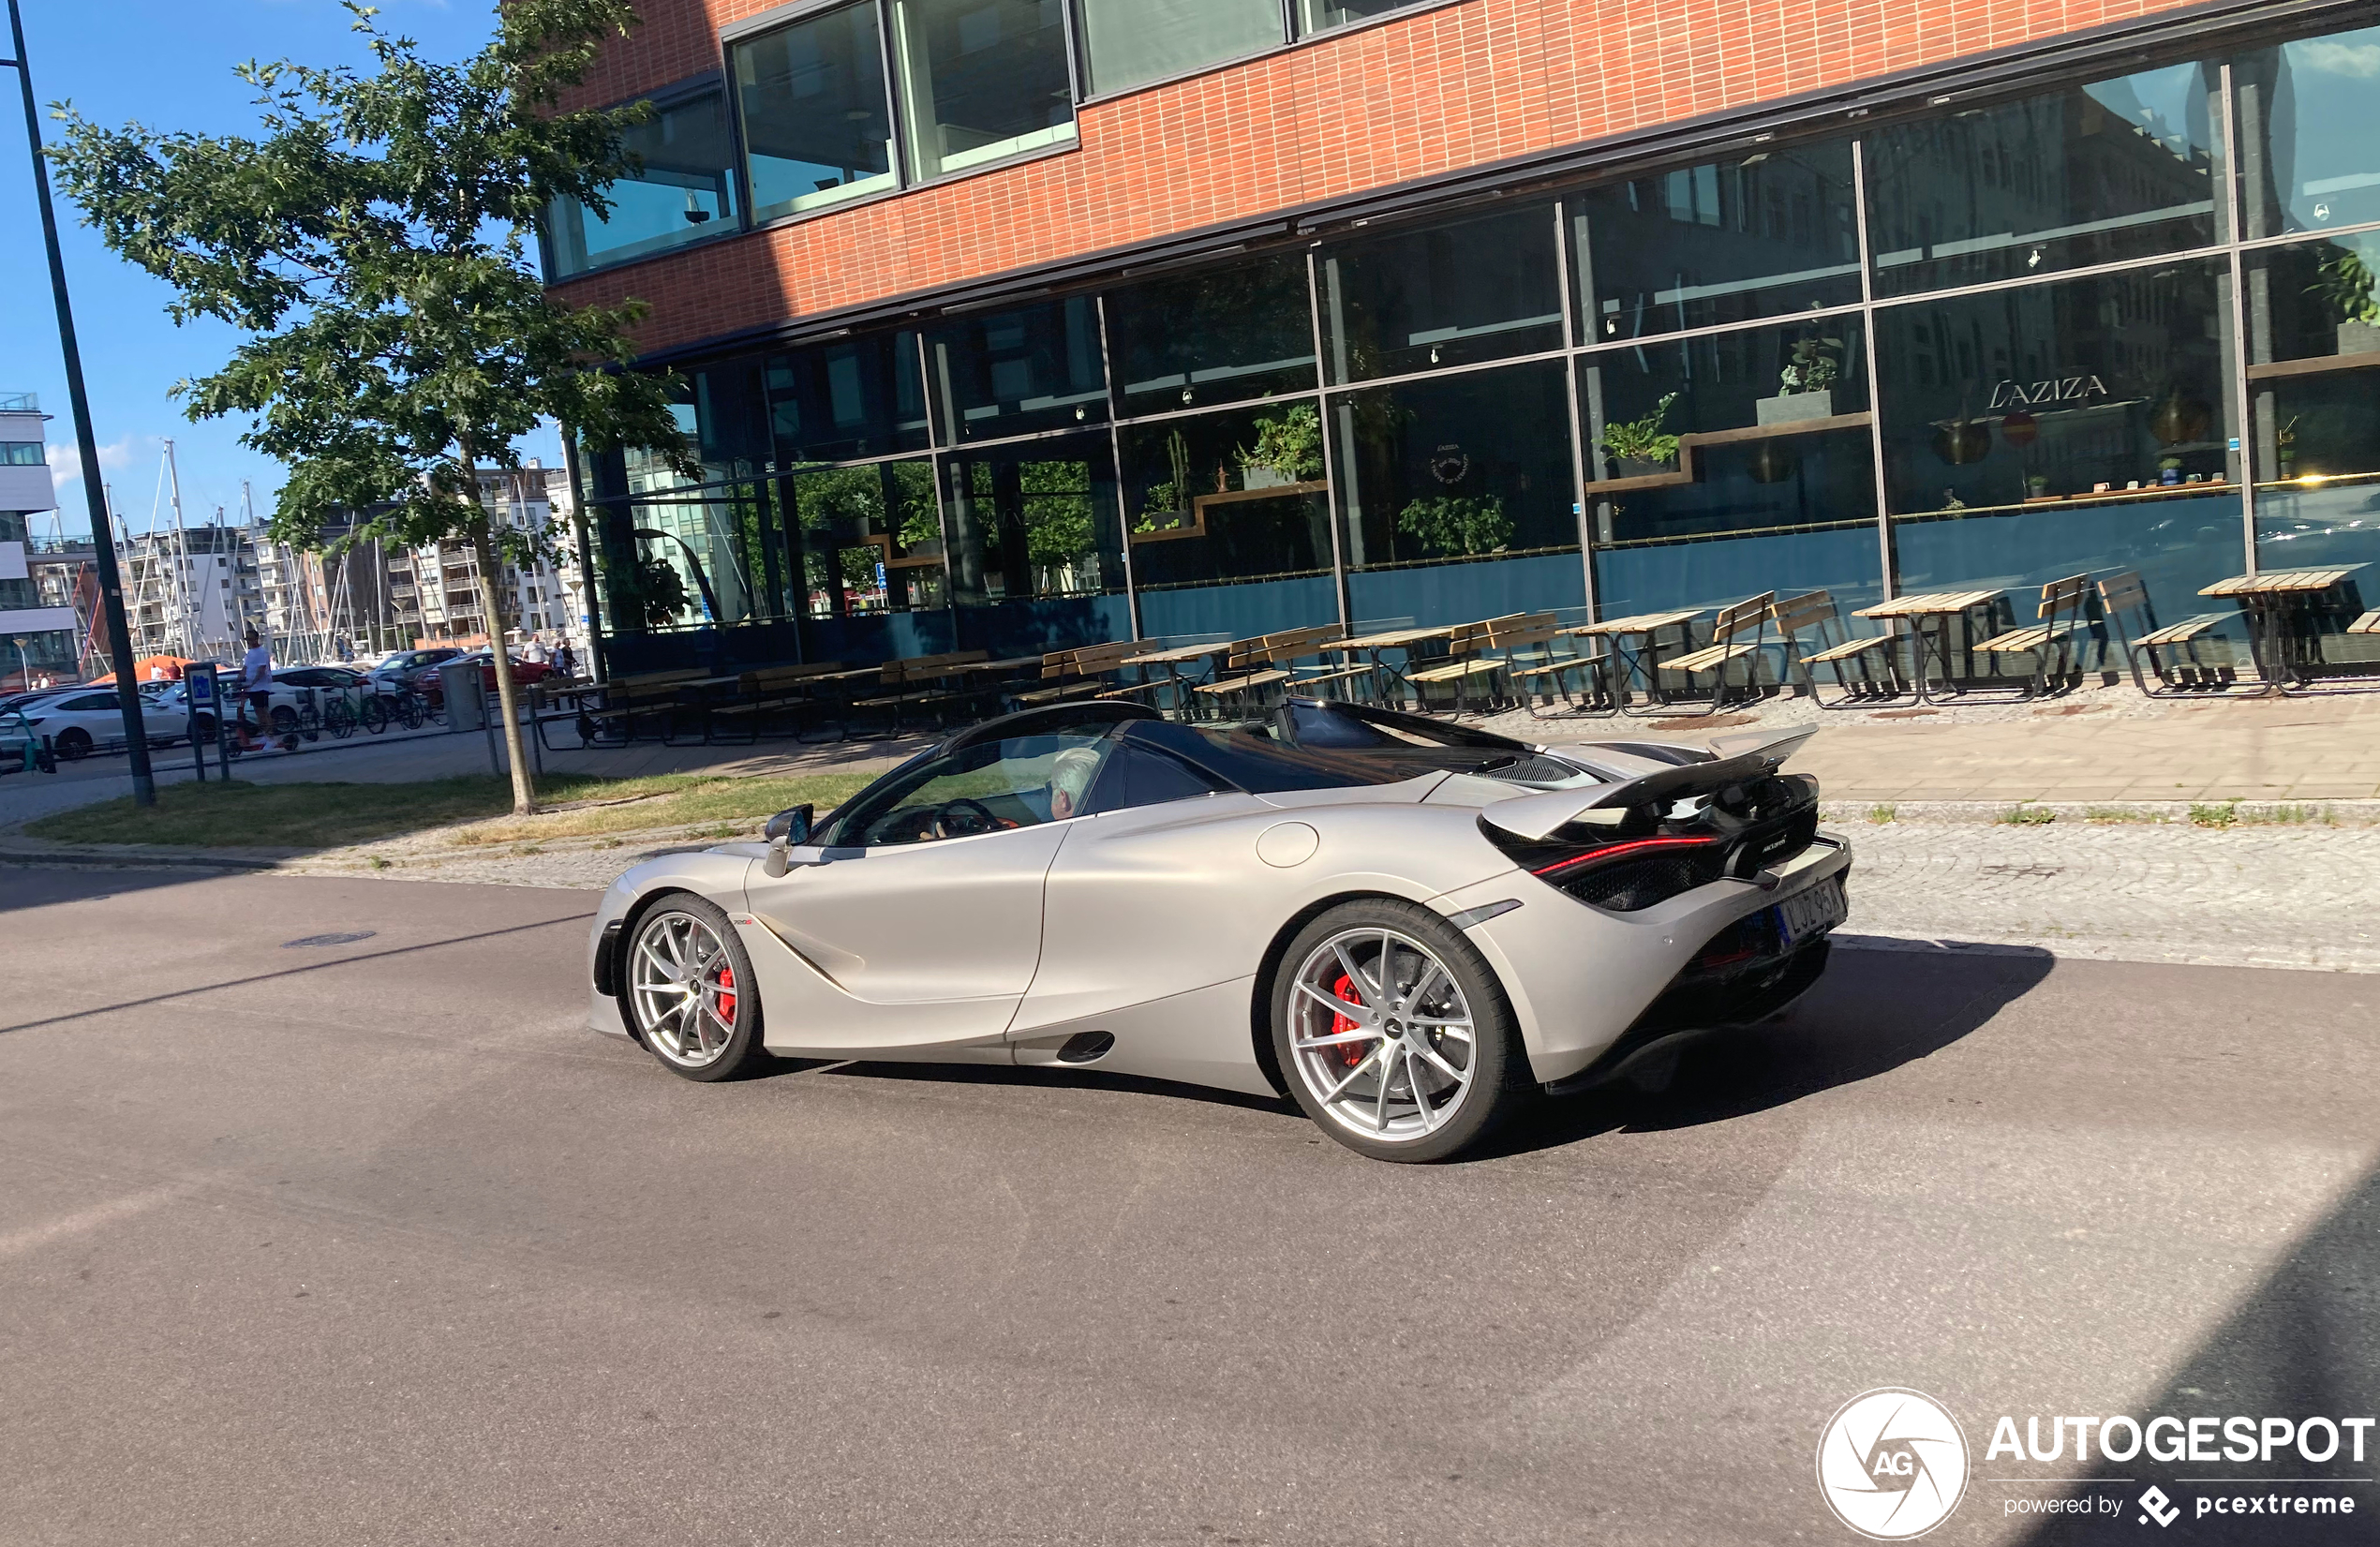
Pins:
<point x="690" y="991"/>
<point x="1394" y="1035"/>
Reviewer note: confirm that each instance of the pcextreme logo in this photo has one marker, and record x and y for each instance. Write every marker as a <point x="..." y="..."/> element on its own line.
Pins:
<point x="1892" y="1463"/>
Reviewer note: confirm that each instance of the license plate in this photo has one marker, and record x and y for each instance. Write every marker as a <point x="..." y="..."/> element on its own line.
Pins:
<point x="1811" y="912"/>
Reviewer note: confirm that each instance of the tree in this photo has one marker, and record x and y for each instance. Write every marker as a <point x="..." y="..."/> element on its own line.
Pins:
<point x="372" y="241"/>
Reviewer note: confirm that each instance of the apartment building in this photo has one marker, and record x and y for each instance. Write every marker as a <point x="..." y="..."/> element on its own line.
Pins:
<point x="37" y="636"/>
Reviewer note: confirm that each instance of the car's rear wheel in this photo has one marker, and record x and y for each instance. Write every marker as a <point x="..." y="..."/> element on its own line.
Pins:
<point x="1393" y="1032"/>
<point x="73" y="744"/>
<point x="690" y="990"/>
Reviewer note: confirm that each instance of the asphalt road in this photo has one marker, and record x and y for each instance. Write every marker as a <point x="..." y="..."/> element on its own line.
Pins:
<point x="371" y="1243"/>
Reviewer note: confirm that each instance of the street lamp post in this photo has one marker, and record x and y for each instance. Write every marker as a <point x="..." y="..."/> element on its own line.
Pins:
<point x="127" y="693"/>
<point x="25" y="670"/>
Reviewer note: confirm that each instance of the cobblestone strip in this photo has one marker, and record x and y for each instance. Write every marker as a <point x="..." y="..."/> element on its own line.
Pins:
<point x="2256" y="896"/>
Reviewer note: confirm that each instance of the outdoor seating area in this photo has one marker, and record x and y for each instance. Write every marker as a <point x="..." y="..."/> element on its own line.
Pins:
<point x="2291" y="631"/>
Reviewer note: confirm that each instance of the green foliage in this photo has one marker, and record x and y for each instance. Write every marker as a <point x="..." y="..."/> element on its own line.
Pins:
<point x="1454" y="525"/>
<point x="2219" y="815"/>
<point x="1883" y="815"/>
<point x="371" y="241"/>
<point x="2027" y="816"/>
<point x="1057" y="511"/>
<point x="2346" y="284"/>
<point x="1817" y="363"/>
<point x="1641" y="440"/>
<point x="1289" y="447"/>
<point x="654" y="591"/>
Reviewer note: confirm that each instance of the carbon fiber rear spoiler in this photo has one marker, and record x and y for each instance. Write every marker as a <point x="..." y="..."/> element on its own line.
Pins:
<point x="1750" y="754"/>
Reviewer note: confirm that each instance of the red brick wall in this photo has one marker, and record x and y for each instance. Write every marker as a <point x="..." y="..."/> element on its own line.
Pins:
<point x="1445" y="89"/>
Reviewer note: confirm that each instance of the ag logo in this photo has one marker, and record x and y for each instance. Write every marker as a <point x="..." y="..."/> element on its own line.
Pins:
<point x="1892" y="1463"/>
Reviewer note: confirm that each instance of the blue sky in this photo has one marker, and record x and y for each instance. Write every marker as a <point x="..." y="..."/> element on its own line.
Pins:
<point x="167" y="63"/>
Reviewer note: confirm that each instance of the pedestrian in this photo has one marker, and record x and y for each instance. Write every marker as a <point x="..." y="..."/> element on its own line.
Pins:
<point x="565" y="663"/>
<point x="256" y="687"/>
<point x="534" y="651"/>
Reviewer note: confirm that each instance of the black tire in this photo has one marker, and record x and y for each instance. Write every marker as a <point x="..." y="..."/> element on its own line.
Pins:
<point x="408" y="713"/>
<point x="73" y="744"/>
<point x="740" y="1052"/>
<point x="309" y="723"/>
<point x="283" y="721"/>
<point x="1500" y="1080"/>
<point x="203" y="728"/>
<point x="340" y="718"/>
<point x="374" y="715"/>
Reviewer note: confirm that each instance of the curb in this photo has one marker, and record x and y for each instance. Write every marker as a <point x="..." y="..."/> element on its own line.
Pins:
<point x="2176" y="813"/>
<point x="116" y="860"/>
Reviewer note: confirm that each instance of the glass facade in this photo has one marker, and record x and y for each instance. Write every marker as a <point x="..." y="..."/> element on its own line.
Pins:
<point x="2128" y="324"/>
<point x="682" y="190"/>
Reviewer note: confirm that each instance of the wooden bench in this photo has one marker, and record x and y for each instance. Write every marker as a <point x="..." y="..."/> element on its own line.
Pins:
<point x="2174" y="650"/>
<point x="624" y="698"/>
<point x="771" y="688"/>
<point x="921" y="682"/>
<point x="1078" y="673"/>
<point x="2055" y="622"/>
<point x="1467" y="658"/>
<point x="1528" y="658"/>
<point x="1269" y="661"/>
<point x="1729" y="643"/>
<point x="1816" y="613"/>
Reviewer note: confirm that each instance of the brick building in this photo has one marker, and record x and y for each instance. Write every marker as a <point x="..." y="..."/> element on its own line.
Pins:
<point x="1013" y="323"/>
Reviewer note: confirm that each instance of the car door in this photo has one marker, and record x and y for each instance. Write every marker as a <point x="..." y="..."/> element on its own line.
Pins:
<point x="915" y="920"/>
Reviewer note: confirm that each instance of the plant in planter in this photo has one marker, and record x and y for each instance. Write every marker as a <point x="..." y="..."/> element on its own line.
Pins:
<point x="1454" y="526"/>
<point x="2170" y="470"/>
<point x="1173" y="497"/>
<point x="1288" y="449"/>
<point x="2284" y="448"/>
<point x="2347" y="284"/>
<point x="1640" y="446"/>
<point x="1805" y="387"/>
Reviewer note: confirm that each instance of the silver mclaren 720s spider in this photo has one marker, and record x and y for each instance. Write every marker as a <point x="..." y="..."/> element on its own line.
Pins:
<point x="1411" y="928"/>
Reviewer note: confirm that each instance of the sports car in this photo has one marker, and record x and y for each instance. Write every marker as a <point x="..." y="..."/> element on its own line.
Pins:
<point x="1412" y="928"/>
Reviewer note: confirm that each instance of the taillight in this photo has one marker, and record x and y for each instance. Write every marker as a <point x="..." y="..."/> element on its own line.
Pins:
<point x="1635" y="873"/>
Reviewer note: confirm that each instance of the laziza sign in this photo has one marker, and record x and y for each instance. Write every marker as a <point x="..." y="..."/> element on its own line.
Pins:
<point x="2055" y="389"/>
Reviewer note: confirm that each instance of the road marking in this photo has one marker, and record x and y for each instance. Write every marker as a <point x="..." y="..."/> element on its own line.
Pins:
<point x="98" y="1215"/>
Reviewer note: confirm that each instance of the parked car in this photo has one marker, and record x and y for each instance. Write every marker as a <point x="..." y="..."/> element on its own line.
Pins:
<point x="410" y="668"/>
<point x="1426" y="924"/>
<point x="82" y="719"/>
<point x="524" y="672"/>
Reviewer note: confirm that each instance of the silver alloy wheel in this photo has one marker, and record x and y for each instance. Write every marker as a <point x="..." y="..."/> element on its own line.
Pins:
<point x="685" y="989"/>
<point x="1382" y="1035"/>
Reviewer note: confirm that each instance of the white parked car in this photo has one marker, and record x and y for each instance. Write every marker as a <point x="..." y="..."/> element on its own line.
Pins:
<point x="81" y="721"/>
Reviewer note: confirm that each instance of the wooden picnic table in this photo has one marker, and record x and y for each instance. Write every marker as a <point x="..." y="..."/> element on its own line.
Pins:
<point x="1940" y="607"/>
<point x="1173" y="659"/>
<point x="2279" y="606"/>
<point x="1646" y="655"/>
<point x="1372" y="645"/>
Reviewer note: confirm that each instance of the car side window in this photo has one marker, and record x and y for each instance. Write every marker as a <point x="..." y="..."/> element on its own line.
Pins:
<point x="1136" y="775"/>
<point x="88" y="702"/>
<point x="989" y="787"/>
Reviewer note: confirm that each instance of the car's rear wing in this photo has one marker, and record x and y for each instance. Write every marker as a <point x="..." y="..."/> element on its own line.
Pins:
<point x="1751" y="754"/>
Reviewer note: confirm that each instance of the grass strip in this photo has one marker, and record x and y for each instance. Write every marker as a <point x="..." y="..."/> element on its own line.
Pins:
<point x="310" y="817"/>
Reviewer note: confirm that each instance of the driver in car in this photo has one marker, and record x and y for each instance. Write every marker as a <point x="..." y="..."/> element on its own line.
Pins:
<point x="1070" y="775"/>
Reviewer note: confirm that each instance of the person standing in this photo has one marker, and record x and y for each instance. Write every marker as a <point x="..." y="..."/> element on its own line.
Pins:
<point x="565" y="663"/>
<point x="256" y="687"/>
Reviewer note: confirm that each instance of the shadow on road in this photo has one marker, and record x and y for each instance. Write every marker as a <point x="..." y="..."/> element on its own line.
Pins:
<point x="23" y="887"/>
<point x="1874" y="1011"/>
<point x="2301" y="1347"/>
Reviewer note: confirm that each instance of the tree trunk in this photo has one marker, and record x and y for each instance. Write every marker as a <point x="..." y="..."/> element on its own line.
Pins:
<point x="507" y="692"/>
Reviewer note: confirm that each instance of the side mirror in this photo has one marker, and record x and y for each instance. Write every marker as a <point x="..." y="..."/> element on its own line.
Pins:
<point x="786" y="832"/>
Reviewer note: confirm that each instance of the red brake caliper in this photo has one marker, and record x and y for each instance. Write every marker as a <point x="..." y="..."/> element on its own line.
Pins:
<point x="727" y="994"/>
<point x="1350" y="1053"/>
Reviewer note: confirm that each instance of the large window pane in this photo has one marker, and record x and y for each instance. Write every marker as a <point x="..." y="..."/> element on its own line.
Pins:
<point x="1126" y="42"/>
<point x="2094" y="174"/>
<point x="1322" y="15"/>
<point x="686" y="190"/>
<point x="1455" y="468"/>
<point x="1776" y="231"/>
<point x="1770" y="484"/>
<point x="1448" y="295"/>
<point x="871" y="537"/>
<point x="981" y="80"/>
<point x="836" y="402"/>
<point x="1007" y="373"/>
<point x="2310" y="125"/>
<point x="2053" y="430"/>
<point x="1035" y="521"/>
<point x="1228" y="496"/>
<point x="1219" y="336"/>
<point x="2313" y="381"/>
<point x="817" y="122"/>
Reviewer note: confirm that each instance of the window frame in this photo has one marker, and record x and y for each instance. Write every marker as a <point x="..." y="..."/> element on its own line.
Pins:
<point x="751" y="28"/>
<point x="664" y="98"/>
